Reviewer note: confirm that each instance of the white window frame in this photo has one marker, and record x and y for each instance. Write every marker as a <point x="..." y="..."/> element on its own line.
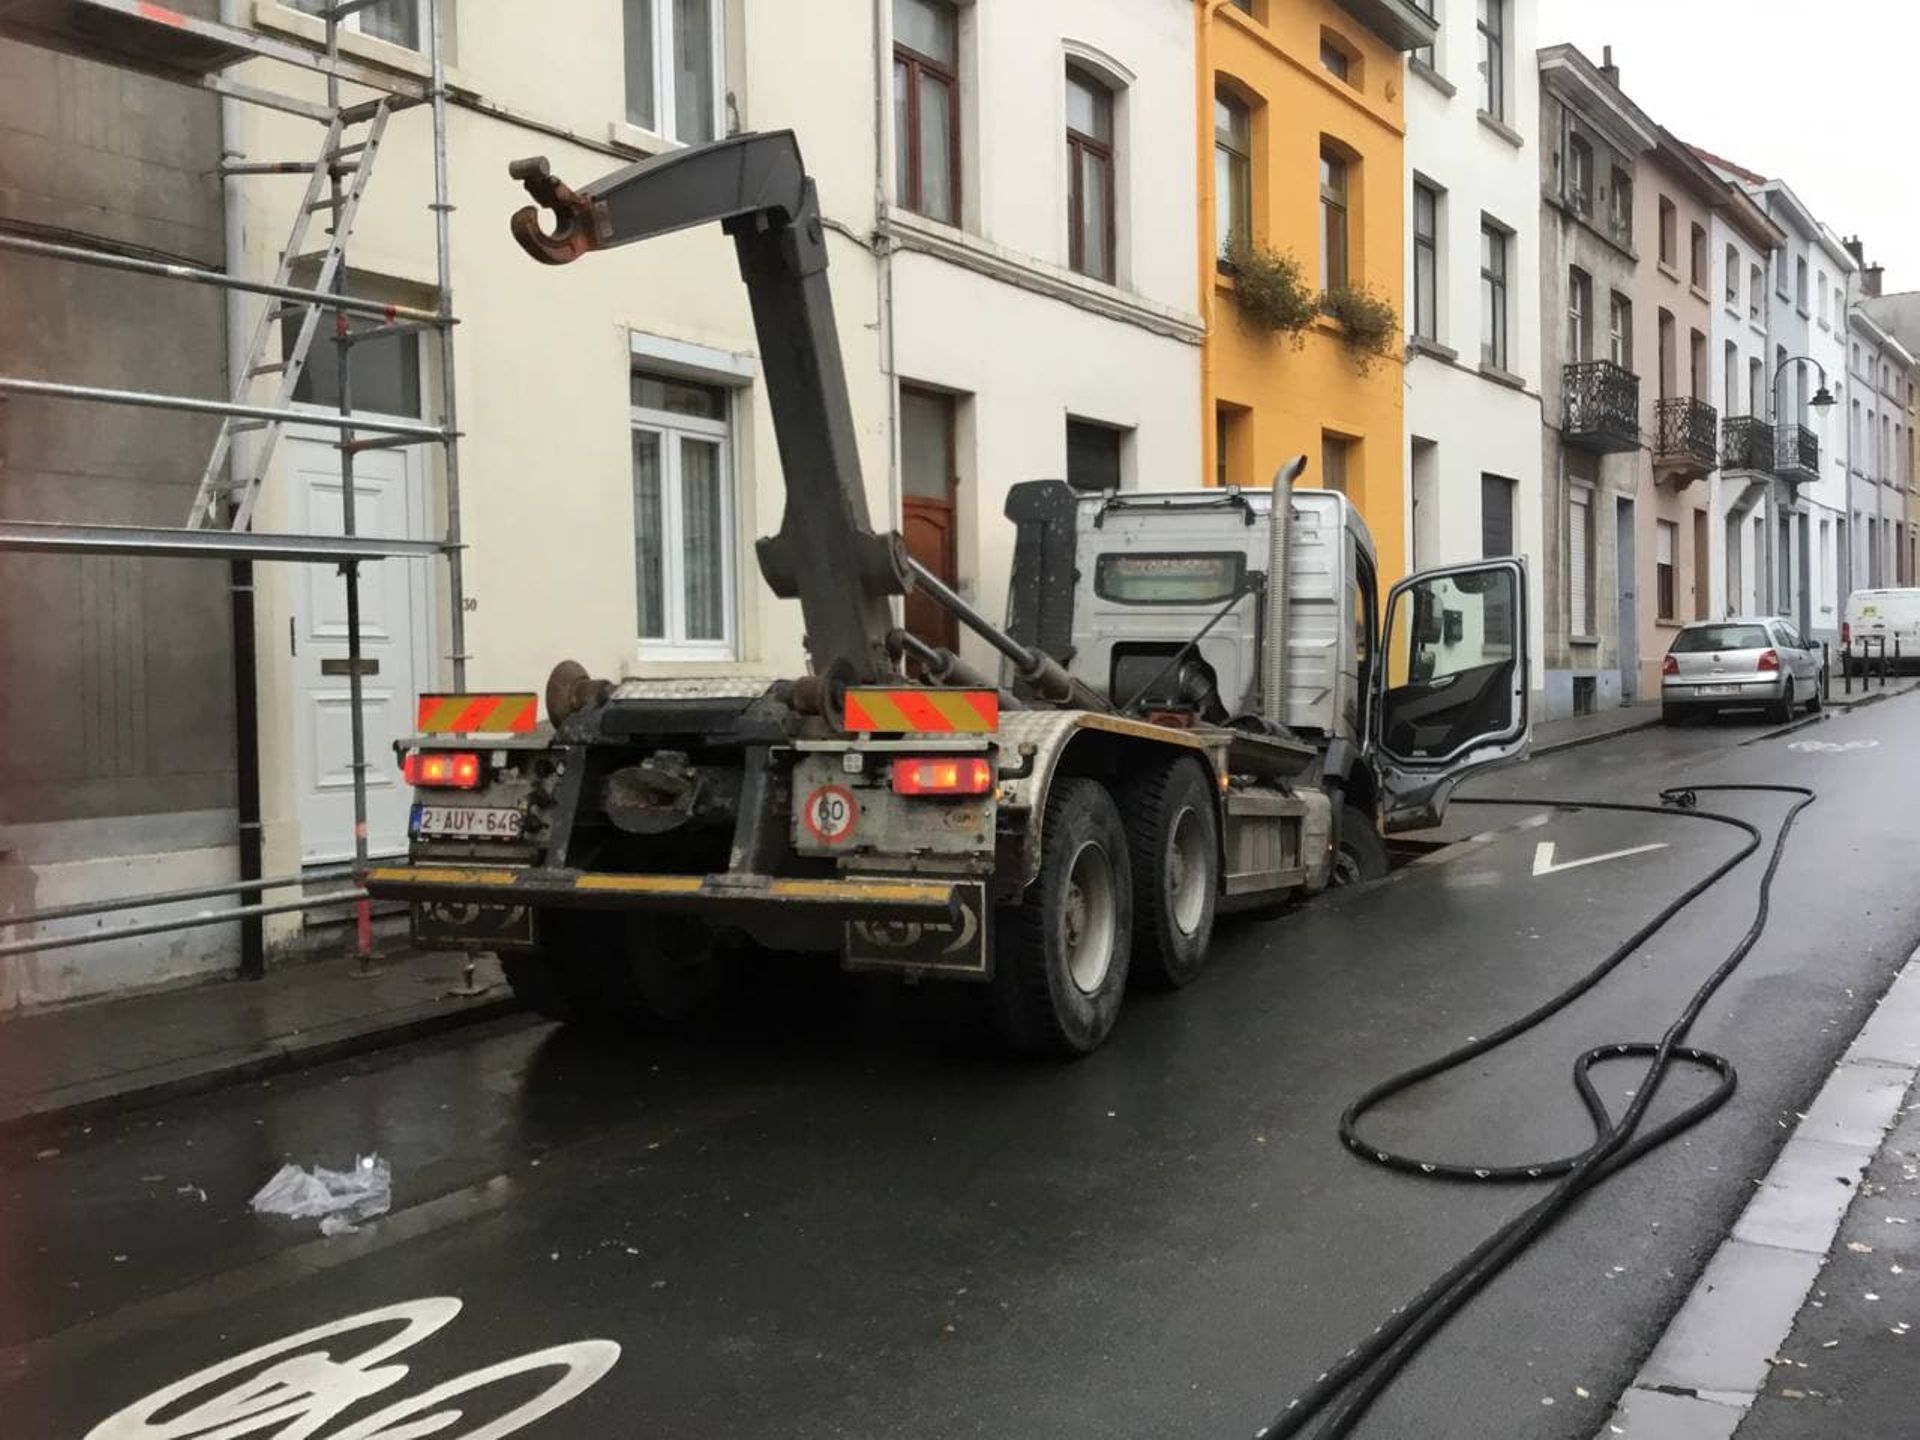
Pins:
<point x="661" y="355"/>
<point x="663" y="96"/>
<point x="353" y="24"/>
<point x="1582" y="593"/>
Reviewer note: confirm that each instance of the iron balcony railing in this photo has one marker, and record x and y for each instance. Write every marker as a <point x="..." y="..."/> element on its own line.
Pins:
<point x="1600" y="407"/>
<point x="1796" y="455"/>
<point x="1686" y="435"/>
<point x="1746" y="444"/>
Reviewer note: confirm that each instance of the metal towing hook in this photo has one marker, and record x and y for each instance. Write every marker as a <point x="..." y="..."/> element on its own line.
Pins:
<point x="580" y="222"/>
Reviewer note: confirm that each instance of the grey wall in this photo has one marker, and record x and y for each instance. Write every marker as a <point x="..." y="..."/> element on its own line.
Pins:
<point x="115" y="678"/>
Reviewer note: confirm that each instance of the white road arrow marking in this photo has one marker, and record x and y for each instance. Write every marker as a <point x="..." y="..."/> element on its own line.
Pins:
<point x="1543" y="863"/>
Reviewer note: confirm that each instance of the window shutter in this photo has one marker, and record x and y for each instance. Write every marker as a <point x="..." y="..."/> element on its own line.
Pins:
<point x="1578" y="545"/>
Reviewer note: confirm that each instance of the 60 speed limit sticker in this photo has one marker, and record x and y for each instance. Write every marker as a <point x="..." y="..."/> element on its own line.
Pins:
<point x="830" y="814"/>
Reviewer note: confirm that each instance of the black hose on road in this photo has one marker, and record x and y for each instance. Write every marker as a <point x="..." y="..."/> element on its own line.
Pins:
<point x="1348" y="1388"/>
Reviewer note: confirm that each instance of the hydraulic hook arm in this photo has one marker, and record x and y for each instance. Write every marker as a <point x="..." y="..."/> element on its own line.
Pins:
<point x="826" y="553"/>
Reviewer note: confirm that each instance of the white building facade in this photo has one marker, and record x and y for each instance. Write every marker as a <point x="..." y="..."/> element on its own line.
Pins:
<point x="1879" y="374"/>
<point x="1473" y="446"/>
<point x="1742" y="241"/>
<point x="1007" y="192"/>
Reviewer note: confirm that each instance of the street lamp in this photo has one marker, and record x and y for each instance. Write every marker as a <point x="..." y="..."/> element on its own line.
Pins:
<point x="1822" y="400"/>
<point x="1822" y="397"/>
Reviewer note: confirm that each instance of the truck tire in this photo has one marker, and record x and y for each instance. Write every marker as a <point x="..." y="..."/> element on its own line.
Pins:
<point x="621" y="972"/>
<point x="1061" y="964"/>
<point x="555" y="979"/>
<point x="1173" y="837"/>
<point x="1363" y="854"/>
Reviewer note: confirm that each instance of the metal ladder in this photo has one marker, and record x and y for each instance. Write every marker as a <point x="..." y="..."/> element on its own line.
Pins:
<point x="355" y="161"/>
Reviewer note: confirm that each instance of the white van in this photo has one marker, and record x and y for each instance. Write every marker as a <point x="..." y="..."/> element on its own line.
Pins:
<point x="1874" y="618"/>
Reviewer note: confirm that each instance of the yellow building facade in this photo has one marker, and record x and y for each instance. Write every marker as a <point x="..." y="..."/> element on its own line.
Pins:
<point x="1301" y="130"/>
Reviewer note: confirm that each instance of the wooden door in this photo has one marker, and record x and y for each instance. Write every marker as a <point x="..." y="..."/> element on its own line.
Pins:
<point x="928" y="527"/>
<point x="927" y="506"/>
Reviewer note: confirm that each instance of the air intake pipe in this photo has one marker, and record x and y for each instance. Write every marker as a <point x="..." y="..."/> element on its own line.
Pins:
<point x="1273" y="665"/>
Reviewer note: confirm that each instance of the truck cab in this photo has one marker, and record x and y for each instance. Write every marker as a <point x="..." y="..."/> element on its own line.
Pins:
<point x="1166" y="603"/>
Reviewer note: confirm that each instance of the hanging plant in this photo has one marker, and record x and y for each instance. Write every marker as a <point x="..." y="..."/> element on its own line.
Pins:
<point x="1368" y="323"/>
<point x="1271" y="289"/>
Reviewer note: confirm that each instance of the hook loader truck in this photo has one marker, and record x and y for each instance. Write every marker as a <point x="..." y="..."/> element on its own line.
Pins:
<point x="1198" y="707"/>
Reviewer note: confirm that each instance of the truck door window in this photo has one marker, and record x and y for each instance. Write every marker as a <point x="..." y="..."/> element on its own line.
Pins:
<point x="1365" y="621"/>
<point x="1450" y="659"/>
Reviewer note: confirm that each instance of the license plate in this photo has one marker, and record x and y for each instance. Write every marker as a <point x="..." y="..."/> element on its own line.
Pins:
<point x="1719" y="690"/>
<point x="469" y="822"/>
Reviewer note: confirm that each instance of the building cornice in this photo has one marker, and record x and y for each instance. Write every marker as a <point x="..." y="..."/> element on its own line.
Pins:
<point x="1398" y="22"/>
<point x="1576" y="81"/>
<point x="904" y="230"/>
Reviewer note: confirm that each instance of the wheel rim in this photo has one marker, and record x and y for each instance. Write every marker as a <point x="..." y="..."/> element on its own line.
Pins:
<point x="1189" y="872"/>
<point x="1346" y="867"/>
<point x="1087" y="918"/>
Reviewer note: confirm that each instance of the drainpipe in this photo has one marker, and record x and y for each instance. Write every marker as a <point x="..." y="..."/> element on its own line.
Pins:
<point x="246" y="695"/>
<point x="883" y="259"/>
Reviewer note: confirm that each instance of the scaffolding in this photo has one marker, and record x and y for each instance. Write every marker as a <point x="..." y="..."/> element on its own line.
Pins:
<point x="188" y="50"/>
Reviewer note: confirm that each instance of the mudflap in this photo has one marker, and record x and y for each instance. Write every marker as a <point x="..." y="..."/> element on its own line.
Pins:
<point x="959" y="951"/>
<point x="473" y="925"/>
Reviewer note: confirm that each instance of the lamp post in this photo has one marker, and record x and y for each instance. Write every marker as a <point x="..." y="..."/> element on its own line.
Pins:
<point x="1822" y="399"/>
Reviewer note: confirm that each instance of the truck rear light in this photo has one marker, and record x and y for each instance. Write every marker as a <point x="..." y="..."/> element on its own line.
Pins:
<point x="1669" y="666"/>
<point x="945" y="775"/>
<point x="1769" y="660"/>
<point x="442" y="769"/>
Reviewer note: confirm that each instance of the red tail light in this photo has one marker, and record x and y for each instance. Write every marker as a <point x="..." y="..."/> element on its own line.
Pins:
<point x="1669" y="666"/>
<point x="948" y="775"/>
<point x="1846" y="633"/>
<point x="1769" y="660"/>
<point x="442" y="769"/>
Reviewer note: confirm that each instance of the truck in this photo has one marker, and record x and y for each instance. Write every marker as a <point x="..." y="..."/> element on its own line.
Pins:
<point x="1202" y="704"/>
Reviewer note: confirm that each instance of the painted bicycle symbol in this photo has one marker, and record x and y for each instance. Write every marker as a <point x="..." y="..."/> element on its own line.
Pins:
<point x="297" y="1387"/>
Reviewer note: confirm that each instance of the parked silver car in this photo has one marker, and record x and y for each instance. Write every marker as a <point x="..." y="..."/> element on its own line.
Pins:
<point x="1716" y="665"/>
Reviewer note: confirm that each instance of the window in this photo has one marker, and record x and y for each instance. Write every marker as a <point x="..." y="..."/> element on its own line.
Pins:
<point x="1665" y="336"/>
<point x="1335" y="58"/>
<point x="1333" y="218"/>
<point x="1493" y="295"/>
<point x="386" y="373"/>
<point x="682" y="514"/>
<point x="1822" y="288"/>
<point x="1620" y="203"/>
<point x="1702" y="565"/>
<point x="1424" y="53"/>
<point x="1093" y="455"/>
<point x="1733" y="278"/>
<point x="1756" y="288"/>
<point x="1426" y="262"/>
<point x="1579" y="315"/>
<point x="1496" y="516"/>
<point x="1669" y="234"/>
<point x="1492" y="26"/>
<point x="1335" y="452"/>
<point x="1665" y="541"/>
<point x="1232" y="171"/>
<point x="928" y="483"/>
<point x="1229" y="436"/>
<point x="1620" y="331"/>
<point x="1730" y="379"/>
<point x="395" y="21"/>
<point x="1580" y="561"/>
<point x="1756" y="387"/>
<point x="1697" y="257"/>
<point x="1800" y="284"/>
<point x="1780" y="276"/>
<point x="926" y="108"/>
<point x="1699" y="382"/>
<point x="673" y="55"/>
<point x="1580" y="175"/>
<point x="1090" y="172"/>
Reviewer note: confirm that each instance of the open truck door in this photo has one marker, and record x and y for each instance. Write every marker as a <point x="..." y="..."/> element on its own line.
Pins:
<point x="1450" y="685"/>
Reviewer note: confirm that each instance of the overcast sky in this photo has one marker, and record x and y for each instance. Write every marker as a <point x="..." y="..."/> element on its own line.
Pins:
<point x="1820" y="93"/>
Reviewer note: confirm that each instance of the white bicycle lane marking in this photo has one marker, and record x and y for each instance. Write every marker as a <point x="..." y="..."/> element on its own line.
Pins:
<point x="295" y="1388"/>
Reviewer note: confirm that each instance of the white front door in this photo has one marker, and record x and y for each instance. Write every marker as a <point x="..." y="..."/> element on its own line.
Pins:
<point x="395" y="642"/>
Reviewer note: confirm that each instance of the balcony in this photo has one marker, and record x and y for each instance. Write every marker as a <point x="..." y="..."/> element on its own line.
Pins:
<point x="1600" y="407"/>
<point x="1686" y="434"/>
<point x="1746" y="444"/>
<point x="1796" y="455"/>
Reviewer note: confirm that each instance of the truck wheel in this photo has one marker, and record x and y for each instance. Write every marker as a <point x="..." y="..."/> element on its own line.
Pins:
<point x="1061" y="966"/>
<point x="668" y="971"/>
<point x="555" y="980"/>
<point x="1173" y="837"/>
<point x="1363" y="854"/>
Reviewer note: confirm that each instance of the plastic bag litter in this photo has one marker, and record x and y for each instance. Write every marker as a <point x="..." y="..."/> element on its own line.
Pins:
<point x="338" y="1197"/>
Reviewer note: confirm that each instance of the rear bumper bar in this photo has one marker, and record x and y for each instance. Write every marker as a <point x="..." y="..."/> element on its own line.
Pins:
<point x="719" y="896"/>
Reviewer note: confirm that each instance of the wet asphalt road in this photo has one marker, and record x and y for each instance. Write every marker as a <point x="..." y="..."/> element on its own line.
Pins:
<point x="844" y="1215"/>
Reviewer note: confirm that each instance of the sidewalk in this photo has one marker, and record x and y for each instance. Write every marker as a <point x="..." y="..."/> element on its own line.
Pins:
<point x="85" y="1058"/>
<point x="1805" y="1322"/>
<point x="1552" y="735"/>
